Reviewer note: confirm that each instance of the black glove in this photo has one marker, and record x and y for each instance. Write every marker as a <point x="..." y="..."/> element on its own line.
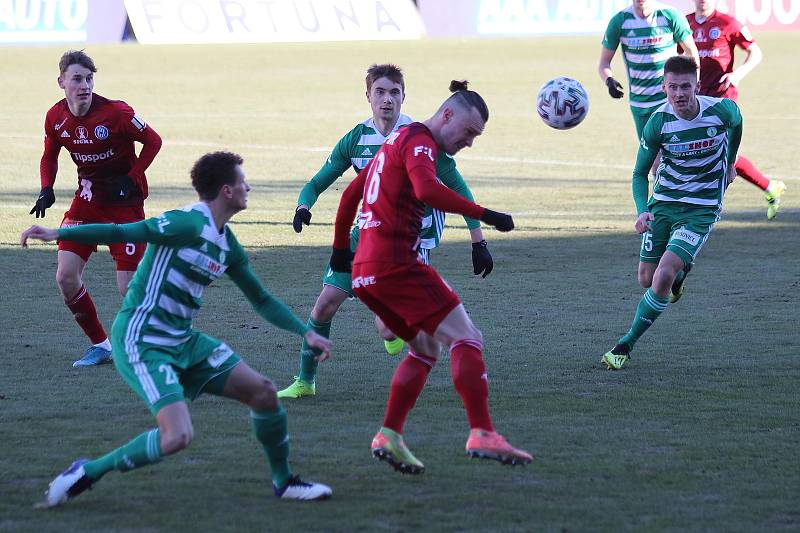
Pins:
<point x="46" y="199"/>
<point x="122" y="187"/>
<point x="481" y="259"/>
<point x="501" y="221"/>
<point x="342" y="260"/>
<point x="301" y="216"/>
<point x="614" y="88"/>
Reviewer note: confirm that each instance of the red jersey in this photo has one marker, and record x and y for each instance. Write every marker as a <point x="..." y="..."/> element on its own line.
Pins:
<point x="394" y="189"/>
<point x="101" y="145"/>
<point x="716" y="37"/>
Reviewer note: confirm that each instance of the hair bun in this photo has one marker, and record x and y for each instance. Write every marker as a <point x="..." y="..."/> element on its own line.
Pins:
<point x="456" y="85"/>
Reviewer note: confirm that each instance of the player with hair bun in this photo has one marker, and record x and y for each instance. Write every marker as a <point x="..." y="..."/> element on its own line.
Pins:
<point x="409" y="296"/>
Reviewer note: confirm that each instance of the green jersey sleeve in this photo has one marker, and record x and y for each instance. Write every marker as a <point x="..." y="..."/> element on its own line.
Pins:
<point x="267" y="306"/>
<point x="649" y="146"/>
<point x="611" y="37"/>
<point x="449" y="175"/>
<point x="173" y="228"/>
<point x="731" y="116"/>
<point x="337" y="164"/>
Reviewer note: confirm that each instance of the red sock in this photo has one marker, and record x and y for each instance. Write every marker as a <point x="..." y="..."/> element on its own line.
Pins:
<point x="469" y="377"/>
<point x="85" y="314"/>
<point x="746" y="169"/>
<point x="407" y="384"/>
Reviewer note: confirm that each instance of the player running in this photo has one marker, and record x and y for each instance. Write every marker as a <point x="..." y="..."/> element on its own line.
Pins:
<point x="156" y="350"/>
<point x="649" y="33"/>
<point x="717" y="36"/>
<point x="99" y="134"/>
<point x="409" y="295"/>
<point x="385" y="93"/>
<point x="698" y="137"/>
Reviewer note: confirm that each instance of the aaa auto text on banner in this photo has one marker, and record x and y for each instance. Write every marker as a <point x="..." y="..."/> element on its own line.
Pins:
<point x="42" y="21"/>
<point x="254" y="21"/>
<point x="526" y="17"/>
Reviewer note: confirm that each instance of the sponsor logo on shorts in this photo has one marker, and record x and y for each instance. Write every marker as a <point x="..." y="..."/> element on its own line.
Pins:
<point x="363" y="281"/>
<point x="220" y="354"/>
<point x="101" y="132"/>
<point x="93" y="158"/>
<point x="683" y="234"/>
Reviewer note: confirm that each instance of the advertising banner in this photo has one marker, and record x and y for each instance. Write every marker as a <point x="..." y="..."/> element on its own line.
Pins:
<point x="466" y="18"/>
<point x="257" y="21"/>
<point x="63" y="21"/>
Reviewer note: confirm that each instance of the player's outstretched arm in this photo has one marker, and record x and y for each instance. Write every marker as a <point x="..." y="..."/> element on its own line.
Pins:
<point x="272" y="309"/>
<point x="38" y="233"/>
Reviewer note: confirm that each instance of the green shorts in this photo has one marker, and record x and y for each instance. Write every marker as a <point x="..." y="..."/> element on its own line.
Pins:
<point x="163" y="375"/>
<point x="678" y="227"/>
<point x="640" y="117"/>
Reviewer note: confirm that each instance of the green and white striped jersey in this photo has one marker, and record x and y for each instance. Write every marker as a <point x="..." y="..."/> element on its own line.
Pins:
<point x="695" y="154"/>
<point x="185" y="254"/>
<point x="647" y="43"/>
<point x="357" y="148"/>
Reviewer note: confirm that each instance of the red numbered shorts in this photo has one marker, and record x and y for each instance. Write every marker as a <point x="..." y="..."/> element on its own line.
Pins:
<point x="408" y="298"/>
<point x="126" y="254"/>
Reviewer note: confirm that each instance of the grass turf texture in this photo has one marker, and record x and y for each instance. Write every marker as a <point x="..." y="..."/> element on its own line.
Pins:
<point x="700" y="432"/>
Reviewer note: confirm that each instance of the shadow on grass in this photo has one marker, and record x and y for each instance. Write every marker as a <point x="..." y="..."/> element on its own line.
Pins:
<point x="704" y="419"/>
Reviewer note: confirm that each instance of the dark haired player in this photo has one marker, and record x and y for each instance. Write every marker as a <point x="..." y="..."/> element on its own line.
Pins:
<point x="698" y="137"/>
<point x="159" y="354"/>
<point x="99" y="134"/>
<point x="408" y="295"/>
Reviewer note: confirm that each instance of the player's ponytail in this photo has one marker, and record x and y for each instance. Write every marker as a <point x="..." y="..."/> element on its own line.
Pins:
<point x="467" y="98"/>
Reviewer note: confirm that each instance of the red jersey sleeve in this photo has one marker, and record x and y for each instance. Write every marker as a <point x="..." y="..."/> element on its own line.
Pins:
<point x="48" y="166"/>
<point x="348" y="205"/>
<point x="741" y="36"/>
<point x="419" y="154"/>
<point x="138" y="130"/>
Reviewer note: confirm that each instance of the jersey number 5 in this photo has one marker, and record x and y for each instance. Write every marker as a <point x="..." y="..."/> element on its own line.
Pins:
<point x="374" y="183"/>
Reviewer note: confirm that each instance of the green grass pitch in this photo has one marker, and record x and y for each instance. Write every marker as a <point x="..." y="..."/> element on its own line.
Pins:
<point x="700" y="432"/>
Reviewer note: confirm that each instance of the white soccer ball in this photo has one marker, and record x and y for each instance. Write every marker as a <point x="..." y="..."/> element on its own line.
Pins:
<point x="562" y="103"/>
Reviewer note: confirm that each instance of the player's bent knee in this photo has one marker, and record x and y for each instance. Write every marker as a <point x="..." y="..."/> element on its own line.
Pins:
<point x="265" y="397"/>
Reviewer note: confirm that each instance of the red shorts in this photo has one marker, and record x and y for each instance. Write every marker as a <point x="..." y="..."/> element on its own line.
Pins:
<point x="408" y="298"/>
<point x="126" y="254"/>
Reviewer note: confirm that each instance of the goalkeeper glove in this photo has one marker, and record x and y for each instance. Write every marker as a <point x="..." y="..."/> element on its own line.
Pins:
<point x="46" y="199"/>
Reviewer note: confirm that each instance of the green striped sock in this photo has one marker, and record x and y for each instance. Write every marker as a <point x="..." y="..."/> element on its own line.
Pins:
<point x="141" y="451"/>
<point x="650" y="307"/>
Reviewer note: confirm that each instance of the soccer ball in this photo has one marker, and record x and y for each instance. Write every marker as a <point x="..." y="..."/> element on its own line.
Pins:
<point x="562" y="103"/>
